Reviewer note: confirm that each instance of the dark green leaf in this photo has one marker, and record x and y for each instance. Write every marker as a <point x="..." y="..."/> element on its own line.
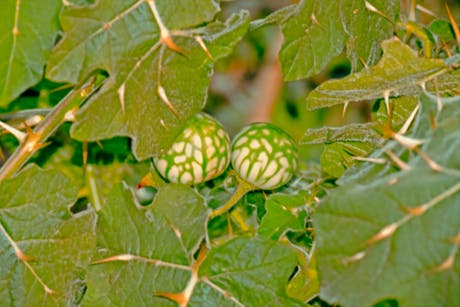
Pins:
<point x="34" y="216"/>
<point x="248" y="272"/>
<point x="23" y="55"/>
<point x="399" y="73"/>
<point x="358" y="269"/>
<point x="399" y="233"/>
<point x="284" y="212"/>
<point x="146" y="250"/>
<point x="152" y="90"/>
<point x="320" y="30"/>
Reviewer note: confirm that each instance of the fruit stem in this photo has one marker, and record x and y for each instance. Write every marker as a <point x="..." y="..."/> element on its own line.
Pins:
<point x="242" y="188"/>
<point x="36" y="138"/>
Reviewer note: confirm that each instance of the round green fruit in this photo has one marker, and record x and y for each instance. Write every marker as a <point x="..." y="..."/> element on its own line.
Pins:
<point x="264" y="156"/>
<point x="200" y="153"/>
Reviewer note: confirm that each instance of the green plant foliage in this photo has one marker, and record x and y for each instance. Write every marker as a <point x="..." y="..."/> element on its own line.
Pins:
<point x="338" y="157"/>
<point x="44" y="250"/>
<point x="401" y="108"/>
<point x="392" y="243"/>
<point x="29" y="29"/>
<point x="421" y="129"/>
<point x="248" y="272"/>
<point x="442" y="29"/>
<point x="149" y="251"/>
<point x="152" y="89"/>
<point x="154" y="246"/>
<point x="365" y="133"/>
<point x="86" y="218"/>
<point x="342" y="144"/>
<point x="284" y="213"/>
<point x="318" y="31"/>
<point x="304" y="286"/>
<point x="400" y="72"/>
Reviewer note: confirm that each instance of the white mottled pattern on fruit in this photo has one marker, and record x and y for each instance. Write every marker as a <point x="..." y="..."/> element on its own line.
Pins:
<point x="264" y="155"/>
<point x="200" y="153"/>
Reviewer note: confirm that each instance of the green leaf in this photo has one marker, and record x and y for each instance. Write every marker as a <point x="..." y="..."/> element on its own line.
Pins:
<point x="444" y="141"/>
<point x="442" y="30"/>
<point x="338" y="157"/>
<point x="401" y="108"/>
<point x="304" y="286"/>
<point x="320" y="30"/>
<point x="399" y="73"/>
<point x="29" y="30"/>
<point x="421" y="129"/>
<point x="446" y="84"/>
<point x="284" y="212"/>
<point x="399" y="233"/>
<point x="34" y="217"/>
<point x="143" y="251"/>
<point x="246" y="271"/>
<point x="364" y="133"/>
<point x="152" y="90"/>
<point x="407" y="265"/>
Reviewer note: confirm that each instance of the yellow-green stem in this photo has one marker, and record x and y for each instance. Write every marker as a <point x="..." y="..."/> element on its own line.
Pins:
<point x="242" y="188"/>
<point x="36" y="138"/>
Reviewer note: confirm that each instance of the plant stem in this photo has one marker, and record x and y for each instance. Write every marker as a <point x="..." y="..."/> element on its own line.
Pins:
<point x="36" y="138"/>
<point x="24" y="114"/>
<point x="242" y="188"/>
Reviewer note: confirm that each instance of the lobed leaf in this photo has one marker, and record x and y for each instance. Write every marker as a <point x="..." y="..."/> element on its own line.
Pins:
<point x="400" y="72"/>
<point x="246" y="272"/>
<point x="152" y="90"/>
<point x="44" y="250"/>
<point x="29" y="30"/>
<point x="417" y="263"/>
<point x="399" y="232"/>
<point x="318" y="31"/>
<point x="144" y="251"/>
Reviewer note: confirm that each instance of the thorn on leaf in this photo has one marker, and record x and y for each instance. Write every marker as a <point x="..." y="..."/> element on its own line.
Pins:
<point x="179" y="298"/>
